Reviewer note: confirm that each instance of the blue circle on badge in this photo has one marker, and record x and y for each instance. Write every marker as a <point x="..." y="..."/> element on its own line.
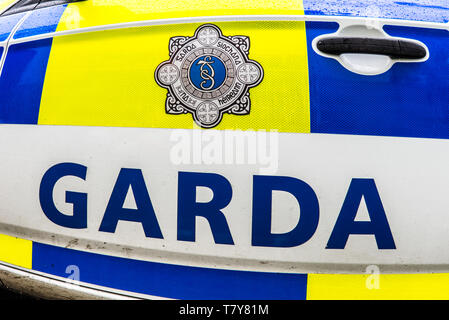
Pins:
<point x="207" y="73"/>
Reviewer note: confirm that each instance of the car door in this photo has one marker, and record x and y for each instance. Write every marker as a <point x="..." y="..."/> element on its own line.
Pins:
<point x="227" y="143"/>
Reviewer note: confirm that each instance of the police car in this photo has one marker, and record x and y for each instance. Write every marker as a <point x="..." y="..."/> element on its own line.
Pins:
<point x="210" y="149"/>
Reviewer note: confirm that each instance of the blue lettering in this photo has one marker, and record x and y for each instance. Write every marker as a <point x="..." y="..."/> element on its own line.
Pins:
<point x="79" y="200"/>
<point x="345" y="225"/>
<point x="189" y="209"/>
<point x="263" y="187"/>
<point x="144" y="213"/>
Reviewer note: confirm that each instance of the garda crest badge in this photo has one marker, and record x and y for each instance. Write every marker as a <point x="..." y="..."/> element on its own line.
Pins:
<point x="208" y="75"/>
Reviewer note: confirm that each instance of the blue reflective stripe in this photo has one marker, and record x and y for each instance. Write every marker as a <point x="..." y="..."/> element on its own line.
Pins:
<point x="8" y="23"/>
<point x="22" y="81"/>
<point x="418" y="10"/>
<point x="41" y="21"/>
<point x="409" y="100"/>
<point x="25" y="66"/>
<point x="167" y="280"/>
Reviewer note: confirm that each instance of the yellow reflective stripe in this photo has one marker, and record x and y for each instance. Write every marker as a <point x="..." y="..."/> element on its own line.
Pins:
<point x="5" y="4"/>
<point x="107" y="78"/>
<point x="434" y="286"/>
<point x="102" y="12"/>
<point x="390" y="286"/>
<point x="16" y="251"/>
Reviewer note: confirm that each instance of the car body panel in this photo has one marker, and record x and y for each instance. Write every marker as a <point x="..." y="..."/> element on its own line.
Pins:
<point x="82" y="96"/>
<point x="401" y="102"/>
<point x="416" y="10"/>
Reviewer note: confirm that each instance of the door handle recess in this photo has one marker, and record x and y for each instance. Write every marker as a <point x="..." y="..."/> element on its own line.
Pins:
<point x="394" y="48"/>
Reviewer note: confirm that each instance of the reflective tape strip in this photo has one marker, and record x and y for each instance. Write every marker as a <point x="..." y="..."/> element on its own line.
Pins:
<point x="402" y="102"/>
<point x="187" y="282"/>
<point x="107" y="78"/>
<point x="377" y="287"/>
<point x="167" y="280"/>
<point x="23" y="77"/>
<point x="104" y="12"/>
<point x="24" y="68"/>
<point x="16" y="251"/>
